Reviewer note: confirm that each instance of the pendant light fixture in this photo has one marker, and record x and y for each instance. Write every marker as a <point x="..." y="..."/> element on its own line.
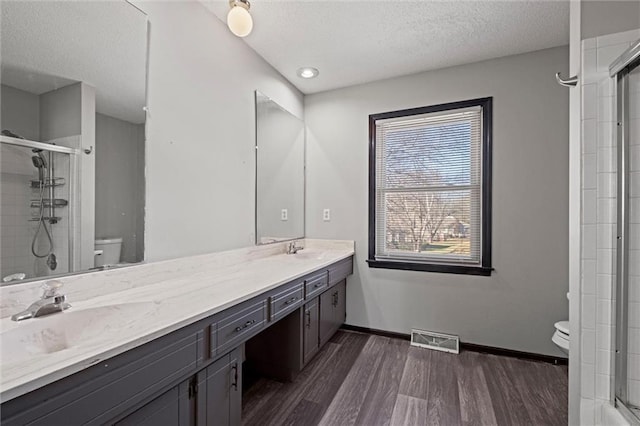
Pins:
<point x="239" y="19"/>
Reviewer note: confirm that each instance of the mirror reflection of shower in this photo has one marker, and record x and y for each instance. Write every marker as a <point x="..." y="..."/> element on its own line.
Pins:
<point x="35" y="208"/>
<point x="44" y="182"/>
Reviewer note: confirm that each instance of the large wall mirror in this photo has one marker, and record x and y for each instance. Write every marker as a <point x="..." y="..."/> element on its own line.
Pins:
<point x="280" y="147"/>
<point x="73" y="92"/>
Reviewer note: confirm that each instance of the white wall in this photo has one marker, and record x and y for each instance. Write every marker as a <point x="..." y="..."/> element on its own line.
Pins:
<point x="516" y="307"/>
<point x="60" y="112"/>
<point x="604" y="17"/>
<point x="20" y="112"/>
<point x="201" y="132"/>
<point x="120" y="183"/>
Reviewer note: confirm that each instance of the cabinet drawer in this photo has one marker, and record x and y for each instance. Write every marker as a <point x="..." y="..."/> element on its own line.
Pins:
<point x="287" y="301"/>
<point x="97" y="395"/>
<point x="339" y="271"/>
<point x="239" y="324"/>
<point x="315" y="285"/>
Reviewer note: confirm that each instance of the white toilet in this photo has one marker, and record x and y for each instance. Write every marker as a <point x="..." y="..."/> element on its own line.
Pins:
<point x="107" y="251"/>
<point x="561" y="336"/>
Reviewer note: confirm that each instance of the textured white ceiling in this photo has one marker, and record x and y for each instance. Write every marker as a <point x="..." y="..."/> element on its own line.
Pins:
<point x="353" y="42"/>
<point x="50" y="44"/>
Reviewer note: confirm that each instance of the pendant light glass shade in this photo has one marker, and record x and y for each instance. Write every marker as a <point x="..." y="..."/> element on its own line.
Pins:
<point x="239" y="19"/>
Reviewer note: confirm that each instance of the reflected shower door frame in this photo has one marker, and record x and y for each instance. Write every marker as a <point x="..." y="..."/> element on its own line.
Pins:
<point x="73" y="207"/>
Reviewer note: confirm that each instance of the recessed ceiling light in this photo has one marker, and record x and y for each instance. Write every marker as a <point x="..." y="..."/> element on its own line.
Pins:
<point x="308" y="72"/>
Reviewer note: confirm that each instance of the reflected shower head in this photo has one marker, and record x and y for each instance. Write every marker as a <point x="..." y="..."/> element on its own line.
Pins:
<point x="41" y="156"/>
<point x="40" y="163"/>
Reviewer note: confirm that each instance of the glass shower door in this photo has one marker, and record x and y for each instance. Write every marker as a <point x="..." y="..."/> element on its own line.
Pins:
<point x="35" y="210"/>
<point x="627" y="361"/>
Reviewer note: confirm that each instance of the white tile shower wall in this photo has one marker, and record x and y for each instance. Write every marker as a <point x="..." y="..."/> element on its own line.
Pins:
<point x="17" y="172"/>
<point x="16" y="230"/>
<point x="598" y="221"/>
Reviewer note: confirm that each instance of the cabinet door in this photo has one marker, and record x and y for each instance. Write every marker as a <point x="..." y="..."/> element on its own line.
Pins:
<point x="216" y="392"/>
<point x="172" y="408"/>
<point x="235" y="390"/>
<point x="223" y="391"/>
<point x="311" y="329"/>
<point x="332" y="311"/>
<point x="340" y="307"/>
<point x="327" y="315"/>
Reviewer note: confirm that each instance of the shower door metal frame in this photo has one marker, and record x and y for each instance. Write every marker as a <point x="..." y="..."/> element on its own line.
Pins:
<point x="620" y="69"/>
<point x="74" y="155"/>
<point x="38" y="145"/>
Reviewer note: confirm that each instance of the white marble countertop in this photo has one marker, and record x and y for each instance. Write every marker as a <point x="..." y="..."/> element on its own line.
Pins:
<point x="128" y="307"/>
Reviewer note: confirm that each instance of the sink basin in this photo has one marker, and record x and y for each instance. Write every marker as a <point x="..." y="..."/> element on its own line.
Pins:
<point x="62" y="330"/>
<point x="310" y="254"/>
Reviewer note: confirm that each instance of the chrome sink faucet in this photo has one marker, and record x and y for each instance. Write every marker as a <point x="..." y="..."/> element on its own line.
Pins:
<point x="292" y="248"/>
<point x="50" y="302"/>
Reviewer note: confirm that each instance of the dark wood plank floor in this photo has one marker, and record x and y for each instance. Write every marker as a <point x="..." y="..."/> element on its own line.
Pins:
<point x="361" y="379"/>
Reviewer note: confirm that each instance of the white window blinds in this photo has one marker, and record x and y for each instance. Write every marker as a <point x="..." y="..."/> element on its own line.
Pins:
<point x="428" y="183"/>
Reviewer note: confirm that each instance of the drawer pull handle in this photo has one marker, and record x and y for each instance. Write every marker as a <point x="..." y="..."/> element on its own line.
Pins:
<point x="318" y="285"/>
<point x="308" y="314"/>
<point x="290" y="301"/>
<point x="246" y="324"/>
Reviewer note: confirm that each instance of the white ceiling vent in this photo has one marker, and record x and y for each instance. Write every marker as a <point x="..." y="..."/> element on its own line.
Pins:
<point x="437" y="341"/>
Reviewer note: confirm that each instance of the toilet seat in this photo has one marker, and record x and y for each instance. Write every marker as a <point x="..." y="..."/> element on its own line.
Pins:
<point x="561" y="336"/>
<point x="562" y="327"/>
<point x="561" y="341"/>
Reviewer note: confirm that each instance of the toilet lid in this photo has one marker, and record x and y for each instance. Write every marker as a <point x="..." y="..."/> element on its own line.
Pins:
<point x="562" y="327"/>
<point x="109" y="241"/>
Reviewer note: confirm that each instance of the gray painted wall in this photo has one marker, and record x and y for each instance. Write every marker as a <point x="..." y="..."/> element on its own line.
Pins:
<point x="60" y="112"/>
<point x="517" y="306"/>
<point x="20" y="112"/>
<point x="608" y="17"/>
<point x="201" y="131"/>
<point x="120" y="183"/>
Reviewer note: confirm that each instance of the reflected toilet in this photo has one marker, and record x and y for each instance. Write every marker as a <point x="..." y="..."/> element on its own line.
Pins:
<point x="107" y="251"/>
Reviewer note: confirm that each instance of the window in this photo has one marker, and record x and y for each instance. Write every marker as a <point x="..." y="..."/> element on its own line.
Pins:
<point x="430" y="188"/>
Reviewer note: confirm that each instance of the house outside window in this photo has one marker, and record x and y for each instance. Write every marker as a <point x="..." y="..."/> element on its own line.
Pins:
<point x="430" y="188"/>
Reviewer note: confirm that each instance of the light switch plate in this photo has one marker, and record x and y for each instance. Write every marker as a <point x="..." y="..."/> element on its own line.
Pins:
<point x="284" y="214"/>
<point x="326" y="215"/>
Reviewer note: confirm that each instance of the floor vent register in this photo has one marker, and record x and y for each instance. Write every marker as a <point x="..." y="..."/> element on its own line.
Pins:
<point x="437" y="341"/>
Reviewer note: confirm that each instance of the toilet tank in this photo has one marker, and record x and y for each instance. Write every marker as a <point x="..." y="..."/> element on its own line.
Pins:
<point x="108" y="251"/>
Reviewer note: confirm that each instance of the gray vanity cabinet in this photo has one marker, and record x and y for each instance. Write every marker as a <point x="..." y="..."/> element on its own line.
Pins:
<point x="332" y="311"/>
<point x="316" y="284"/>
<point x="237" y="324"/>
<point x="326" y="322"/>
<point x="311" y="330"/>
<point x="340" y="270"/>
<point x="112" y="388"/>
<point x="169" y="409"/>
<point x="212" y="397"/>
<point x="219" y="391"/>
<point x="193" y="376"/>
<point x="341" y="304"/>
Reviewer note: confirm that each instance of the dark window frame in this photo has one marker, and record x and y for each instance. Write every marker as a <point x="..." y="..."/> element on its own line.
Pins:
<point x="484" y="268"/>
